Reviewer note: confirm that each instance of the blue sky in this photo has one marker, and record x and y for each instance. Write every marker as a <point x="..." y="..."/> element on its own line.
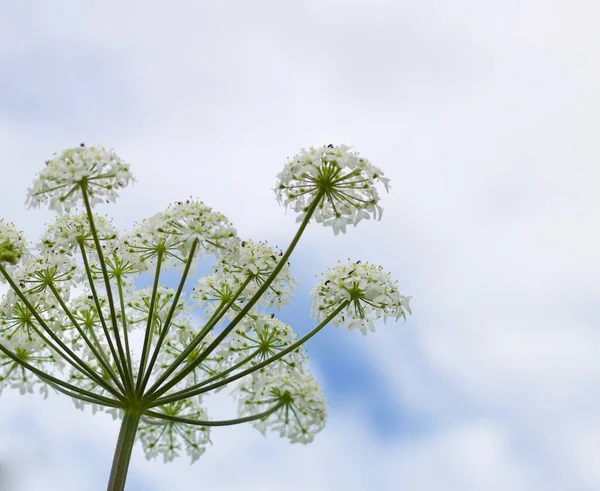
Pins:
<point x="484" y="115"/>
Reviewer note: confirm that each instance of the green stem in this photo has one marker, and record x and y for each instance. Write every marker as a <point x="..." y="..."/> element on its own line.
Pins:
<point x="109" y="341"/>
<point x="188" y="369"/>
<point x="124" y="322"/>
<point x="90" y="399"/>
<point x="201" y="335"/>
<point x="167" y="323"/>
<point x="53" y="380"/>
<point x="124" y="447"/>
<point x="148" y="333"/>
<point x="184" y="394"/>
<point x="227" y="422"/>
<point x="128" y="379"/>
<point x="101" y="360"/>
<point x="78" y="363"/>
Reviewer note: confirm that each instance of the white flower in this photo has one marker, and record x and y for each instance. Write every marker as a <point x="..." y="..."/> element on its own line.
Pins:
<point x="302" y="413"/>
<point x="169" y="438"/>
<point x="178" y="340"/>
<point x="346" y="180"/>
<point x="171" y="234"/>
<point x="138" y="306"/>
<point x="99" y="171"/>
<point x="36" y="276"/>
<point x="254" y="261"/>
<point x="63" y="236"/>
<point x="15" y="376"/>
<point x="13" y="246"/>
<point x="19" y="327"/>
<point x="84" y="311"/>
<point x="266" y="336"/>
<point x="369" y="290"/>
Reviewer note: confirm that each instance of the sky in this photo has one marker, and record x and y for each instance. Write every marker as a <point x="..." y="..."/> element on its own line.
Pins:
<point x="484" y="114"/>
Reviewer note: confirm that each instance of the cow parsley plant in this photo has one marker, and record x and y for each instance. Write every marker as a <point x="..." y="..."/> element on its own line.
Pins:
<point x="73" y="320"/>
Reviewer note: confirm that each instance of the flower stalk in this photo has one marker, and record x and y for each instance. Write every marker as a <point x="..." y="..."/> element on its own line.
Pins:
<point x="123" y="449"/>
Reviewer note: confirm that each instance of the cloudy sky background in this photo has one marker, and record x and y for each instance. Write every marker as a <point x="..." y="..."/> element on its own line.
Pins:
<point x="485" y="116"/>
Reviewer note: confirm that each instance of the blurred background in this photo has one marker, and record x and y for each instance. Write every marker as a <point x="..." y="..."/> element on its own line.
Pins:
<point x="485" y="116"/>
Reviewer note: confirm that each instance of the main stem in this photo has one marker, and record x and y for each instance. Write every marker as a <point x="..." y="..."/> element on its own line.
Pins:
<point x="120" y="465"/>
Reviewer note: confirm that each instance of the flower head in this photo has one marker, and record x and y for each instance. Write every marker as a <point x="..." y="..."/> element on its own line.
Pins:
<point x="344" y="180"/>
<point x="263" y="336"/>
<point x="169" y="438"/>
<point x="139" y="308"/>
<point x="251" y="262"/>
<point x="12" y="244"/>
<point x="99" y="172"/>
<point x="369" y="292"/>
<point x="301" y="413"/>
<point x="178" y="340"/>
<point x="172" y="233"/>
<point x="68" y="230"/>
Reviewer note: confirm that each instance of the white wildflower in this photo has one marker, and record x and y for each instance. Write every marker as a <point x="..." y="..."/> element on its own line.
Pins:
<point x="302" y="413"/>
<point x="254" y="261"/>
<point x="265" y="336"/>
<point x="369" y="290"/>
<point x="169" y="439"/>
<point x="13" y="246"/>
<point x="64" y="234"/>
<point x="37" y="276"/>
<point x="346" y="181"/>
<point x="19" y="327"/>
<point x="16" y="376"/>
<point x="138" y="306"/>
<point x="179" y="339"/>
<point x="172" y="233"/>
<point x="99" y="171"/>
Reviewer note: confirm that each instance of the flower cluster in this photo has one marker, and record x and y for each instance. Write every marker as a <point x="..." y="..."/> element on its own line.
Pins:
<point x="63" y="236"/>
<point x="179" y="339"/>
<point x="95" y="171"/>
<point x="16" y="376"/>
<point x="171" y="234"/>
<point x="170" y="438"/>
<point x="45" y="274"/>
<point x="301" y="413"/>
<point x="369" y="292"/>
<point x="262" y="336"/>
<point x="343" y="181"/>
<point x="19" y="327"/>
<point x="12" y="244"/>
<point x="250" y="263"/>
<point x="139" y="308"/>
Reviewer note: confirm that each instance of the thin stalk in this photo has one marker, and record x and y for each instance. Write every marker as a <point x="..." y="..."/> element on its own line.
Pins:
<point x="217" y="315"/>
<point x="111" y="345"/>
<point x="227" y="422"/>
<point x="128" y="379"/>
<point x="50" y="379"/>
<point x="101" y="360"/>
<point x="124" y="322"/>
<point x="148" y="333"/>
<point x="200" y="390"/>
<point x="167" y="323"/>
<point x="93" y="400"/>
<point x="183" y="393"/>
<point x="188" y="369"/>
<point x="80" y="364"/>
<point x="123" y="449"/>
